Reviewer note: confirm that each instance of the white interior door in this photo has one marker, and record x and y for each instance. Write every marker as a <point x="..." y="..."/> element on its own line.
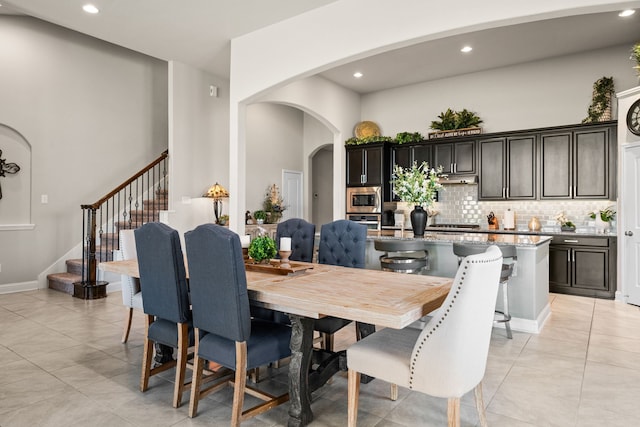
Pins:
<point x="630" y="222"/>
<point x="292" y="194"/>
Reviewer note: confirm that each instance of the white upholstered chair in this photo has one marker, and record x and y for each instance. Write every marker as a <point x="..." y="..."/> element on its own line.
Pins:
<point x="131" y="295"/>
<point x="448" y="357"/>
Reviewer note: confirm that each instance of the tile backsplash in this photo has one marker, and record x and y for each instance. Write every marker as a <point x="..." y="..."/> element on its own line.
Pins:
<point x="459" y="204"/>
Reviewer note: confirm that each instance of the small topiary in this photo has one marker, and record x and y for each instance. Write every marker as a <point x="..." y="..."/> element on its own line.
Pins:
<point x="262" y="248"/>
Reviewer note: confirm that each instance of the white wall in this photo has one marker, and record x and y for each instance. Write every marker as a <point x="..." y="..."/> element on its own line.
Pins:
<point x="198" y="148"/>
<point x="94" y="113"/>
<point x="551" y="92"/>
<point x="274" y="142"/>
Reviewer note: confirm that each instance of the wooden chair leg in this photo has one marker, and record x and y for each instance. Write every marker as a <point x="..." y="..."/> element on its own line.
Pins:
<point x="181" y="364"/>
<point x="128" y="315"/>
<point x="240" y="383"/>
<point x="453" y="412"/>
<point x="147" y="355"/>
<point x="353" y="384"/>
<point x="196" y="381"/>
<point x="394" y="392"/>
<point x="480" y="405"/>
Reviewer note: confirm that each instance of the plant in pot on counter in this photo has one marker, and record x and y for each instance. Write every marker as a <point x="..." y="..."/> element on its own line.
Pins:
<point x="260" y="216"/>
<point x="262" y="248"/>
<point x="417" y="185"/>
<point x="603" y="218"/>
<point x="565" y="223"/>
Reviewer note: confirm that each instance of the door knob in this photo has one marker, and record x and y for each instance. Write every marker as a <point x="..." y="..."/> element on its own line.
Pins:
<point x="628" y="233"/>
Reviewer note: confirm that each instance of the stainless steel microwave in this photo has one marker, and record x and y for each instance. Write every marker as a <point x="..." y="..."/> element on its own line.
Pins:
<point x="364" y="200"/>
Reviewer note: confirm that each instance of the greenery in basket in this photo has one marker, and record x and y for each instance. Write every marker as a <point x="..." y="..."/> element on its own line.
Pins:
<point x="450" y="120"/>
<point x="223" y="220"/>
<point x="605" y="214"/>
<point x="418" y="184"/>
<point x="261" y="248"/>
<point x="601" y="100"/>
<point x="564" y="221"/>
<point x="260" y="215"/>
<point x="408" y="137"/>
<point x="367" y="140"/>
<point x="635" y="56"/>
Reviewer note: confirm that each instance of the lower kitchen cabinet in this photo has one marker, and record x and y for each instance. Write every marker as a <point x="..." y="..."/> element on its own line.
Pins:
<point x="584" y="266"/>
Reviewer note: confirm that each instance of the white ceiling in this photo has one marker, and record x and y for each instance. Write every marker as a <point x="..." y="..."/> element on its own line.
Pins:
<point x="200" y="35"/>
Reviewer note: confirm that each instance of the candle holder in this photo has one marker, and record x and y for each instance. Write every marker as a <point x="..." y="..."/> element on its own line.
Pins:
<point x="284" y="259"/>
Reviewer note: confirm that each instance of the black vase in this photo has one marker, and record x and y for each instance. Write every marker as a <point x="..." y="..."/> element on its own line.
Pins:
<point x="418" y="221"/>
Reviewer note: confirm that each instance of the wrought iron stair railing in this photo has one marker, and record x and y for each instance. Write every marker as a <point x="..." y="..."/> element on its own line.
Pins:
<point x="134" y="202"/>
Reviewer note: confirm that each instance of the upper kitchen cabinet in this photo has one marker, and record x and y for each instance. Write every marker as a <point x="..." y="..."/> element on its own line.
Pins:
<point x="365" y="165"/>
<point x="405" y="155"/>
<point x="455" y="158"/>
<point x="578" y="163"/>
<point x="508" y="168"/>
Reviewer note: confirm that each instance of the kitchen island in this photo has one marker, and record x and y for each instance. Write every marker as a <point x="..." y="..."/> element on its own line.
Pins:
<point x="528" y="288"/>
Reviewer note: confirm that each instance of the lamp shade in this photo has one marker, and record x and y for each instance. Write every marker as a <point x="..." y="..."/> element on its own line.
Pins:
<point x="217" y="191"/>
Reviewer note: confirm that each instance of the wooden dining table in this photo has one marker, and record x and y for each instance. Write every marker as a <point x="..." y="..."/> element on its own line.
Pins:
<point x="375" y="297"/>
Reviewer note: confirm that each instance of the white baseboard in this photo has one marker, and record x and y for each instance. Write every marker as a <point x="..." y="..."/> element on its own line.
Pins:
<point x="10" y="288"/>
<point x="528" y="325"/>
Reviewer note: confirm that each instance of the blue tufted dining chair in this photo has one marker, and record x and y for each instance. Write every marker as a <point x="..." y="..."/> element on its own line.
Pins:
<point x="163" y="282"/>
<point x="302" y="235"/>
<point x="225" y="332"/>
<point x="343" y="243"/>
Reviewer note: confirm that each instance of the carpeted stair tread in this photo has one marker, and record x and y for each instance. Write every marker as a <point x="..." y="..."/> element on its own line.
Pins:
<point x="74" y="266"/>
<point x="63" y="281"/>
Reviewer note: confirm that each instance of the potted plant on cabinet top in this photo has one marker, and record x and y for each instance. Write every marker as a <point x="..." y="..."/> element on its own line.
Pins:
<point x="456" y="123"/>
<point x="417" y="185"/>
<point x="635" y="56"/>
<point x="600" y="108"/>
<point x="603" y="218"/>
<point x="408" y="137"/>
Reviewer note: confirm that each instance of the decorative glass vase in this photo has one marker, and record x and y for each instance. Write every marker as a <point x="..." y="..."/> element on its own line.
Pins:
<point x="418" y="221"/>
<point x="602" y="226"/>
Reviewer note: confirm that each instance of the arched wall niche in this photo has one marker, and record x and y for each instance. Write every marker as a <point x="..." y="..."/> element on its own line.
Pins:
<point x="15" y="205"/>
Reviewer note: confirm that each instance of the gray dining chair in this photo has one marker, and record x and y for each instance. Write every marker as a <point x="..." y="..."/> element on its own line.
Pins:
<point x="343" y="243"/>
<point x="130" y="286"/>
<point x="225" y="332"/>
<point x="448" y="357"/>
<point x="163" y="282"/>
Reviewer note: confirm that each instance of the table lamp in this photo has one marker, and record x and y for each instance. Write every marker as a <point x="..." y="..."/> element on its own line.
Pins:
<point x="217" y="192"/>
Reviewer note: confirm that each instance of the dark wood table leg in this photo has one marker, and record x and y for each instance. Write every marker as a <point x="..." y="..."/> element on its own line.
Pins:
<point x="301" y="348"/>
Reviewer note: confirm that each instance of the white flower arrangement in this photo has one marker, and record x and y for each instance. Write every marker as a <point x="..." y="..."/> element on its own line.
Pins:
<point x="563" y="220"/>
<point x="417" y="184"/>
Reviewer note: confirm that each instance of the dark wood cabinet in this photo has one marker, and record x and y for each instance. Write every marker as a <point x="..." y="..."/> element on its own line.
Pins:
<point x="455" y="158"/>
<point x="578" y="164"/>
<point x="365" y="165"/>
<point x="583" y="266"/>
<point x="508" y="168"/>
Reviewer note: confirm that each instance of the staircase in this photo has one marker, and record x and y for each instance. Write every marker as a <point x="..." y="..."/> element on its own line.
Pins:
<point x="123" y="208"/>
<point x="64" y="281"/>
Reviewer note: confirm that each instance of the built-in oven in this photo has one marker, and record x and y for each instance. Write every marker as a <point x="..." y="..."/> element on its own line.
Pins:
<point x="366" y="200"/>
<point x="372" y="221"/>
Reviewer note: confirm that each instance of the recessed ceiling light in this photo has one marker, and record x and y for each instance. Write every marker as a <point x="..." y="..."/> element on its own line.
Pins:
<point x="627" y="12"/>
<point x="357" y="74"/>
<point x="466" y="49"/>
<point x="89" y="8"/>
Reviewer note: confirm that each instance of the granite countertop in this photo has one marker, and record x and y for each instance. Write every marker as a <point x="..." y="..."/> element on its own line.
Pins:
<point x="545" y="231"/>
<point x="456" y="235"/>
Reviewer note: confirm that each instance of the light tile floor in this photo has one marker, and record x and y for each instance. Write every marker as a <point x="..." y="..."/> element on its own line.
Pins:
<point x="62" y="364"/>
